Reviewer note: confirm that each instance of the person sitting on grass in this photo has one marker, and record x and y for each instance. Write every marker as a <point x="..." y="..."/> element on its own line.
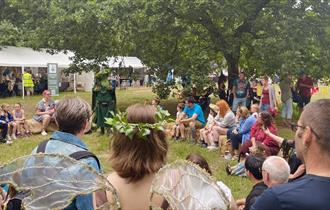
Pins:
<point x="238" y="169"/>
<point x="226" y="120"/>
<point x="8" y="119"/>
<point x="264" y="121"/>
<point x="195" y="118"/>
<point x="4" y="129"/>
<point x="136" y="160"/>
<point x="241" y="134"/>
<point x="19" y="118"/>
<point x="297" y="168"/>
<point x="201" y="162"/>
<point x="44" y="111"/>
<point x="253" y="167"/>
<point x="209" y="123"/>
<point x="312" y="143"/>
<point x="275" y="171"/>
<point x="176" y="130"/>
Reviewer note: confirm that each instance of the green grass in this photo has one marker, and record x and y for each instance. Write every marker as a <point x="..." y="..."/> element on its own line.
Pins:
<point x="100" y="144"/>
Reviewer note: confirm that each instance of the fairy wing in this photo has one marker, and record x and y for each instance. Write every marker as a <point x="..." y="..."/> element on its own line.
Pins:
<point x="185" y="185"/>
<point x="54" y="180"/>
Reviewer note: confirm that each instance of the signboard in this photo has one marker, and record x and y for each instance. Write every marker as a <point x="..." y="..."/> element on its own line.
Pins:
<point x="53" y="79"/>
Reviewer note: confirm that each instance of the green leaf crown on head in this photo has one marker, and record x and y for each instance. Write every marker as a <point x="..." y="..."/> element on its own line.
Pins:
<point x="120" y="124"/>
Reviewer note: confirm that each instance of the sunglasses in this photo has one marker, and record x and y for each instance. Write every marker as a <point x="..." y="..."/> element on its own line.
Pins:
<point x="294" y="127"/>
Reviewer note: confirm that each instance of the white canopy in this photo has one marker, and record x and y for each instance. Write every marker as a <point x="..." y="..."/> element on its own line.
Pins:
<point x="27" y="57"/>
<point x="125" y="62"/>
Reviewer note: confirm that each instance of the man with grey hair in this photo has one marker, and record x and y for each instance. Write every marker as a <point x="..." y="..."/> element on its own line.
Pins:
<point x="72" y="116"/>
<point x="275" y="171"/>
<point x="312" y="143"/>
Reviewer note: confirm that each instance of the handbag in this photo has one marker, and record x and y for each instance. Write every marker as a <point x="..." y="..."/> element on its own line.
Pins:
<point x="296" y="98"/>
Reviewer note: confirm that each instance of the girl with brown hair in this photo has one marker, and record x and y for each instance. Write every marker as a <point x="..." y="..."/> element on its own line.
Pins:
<point x="136" y="160"/>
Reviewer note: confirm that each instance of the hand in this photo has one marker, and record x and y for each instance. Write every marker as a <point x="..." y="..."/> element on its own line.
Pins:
<point x="253" y="149"/>
<point x="266" y="131"/>
<point x="300" y="171"/>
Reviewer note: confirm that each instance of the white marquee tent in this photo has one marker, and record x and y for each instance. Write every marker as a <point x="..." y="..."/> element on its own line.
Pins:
<point x="27" y="57"/>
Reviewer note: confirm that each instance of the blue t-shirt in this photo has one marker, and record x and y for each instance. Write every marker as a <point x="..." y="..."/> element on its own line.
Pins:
<point x="242" y="87"/>
<point x="309" y="192"/>
<point x="196" y="109"/>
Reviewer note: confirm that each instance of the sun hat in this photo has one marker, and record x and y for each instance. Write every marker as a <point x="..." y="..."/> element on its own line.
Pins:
<point x="214" y="107"/>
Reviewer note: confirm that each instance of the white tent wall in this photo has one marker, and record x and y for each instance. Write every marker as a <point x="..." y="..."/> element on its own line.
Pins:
<point x="85" y="81"/>
<point x="27" y="58"/>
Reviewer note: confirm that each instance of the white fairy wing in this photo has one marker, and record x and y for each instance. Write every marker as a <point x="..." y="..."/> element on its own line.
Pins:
<point x="54" y="180"/>
<point x="185" y="185"/>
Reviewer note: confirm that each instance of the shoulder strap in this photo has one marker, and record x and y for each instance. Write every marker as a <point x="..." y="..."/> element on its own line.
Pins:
<point x="84" y="154"/>
<point x="76" y="155"/>
<point x="42" y="146"/>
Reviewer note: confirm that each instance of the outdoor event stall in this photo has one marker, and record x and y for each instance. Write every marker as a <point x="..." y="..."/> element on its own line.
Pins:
<point x="19" y="59"/>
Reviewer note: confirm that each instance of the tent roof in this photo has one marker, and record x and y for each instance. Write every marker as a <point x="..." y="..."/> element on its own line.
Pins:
<point x="125" y="62"/>
<point x="27" y="57"/>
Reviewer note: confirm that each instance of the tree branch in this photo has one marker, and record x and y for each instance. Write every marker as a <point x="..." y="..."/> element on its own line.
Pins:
<point x="246" y="26"/>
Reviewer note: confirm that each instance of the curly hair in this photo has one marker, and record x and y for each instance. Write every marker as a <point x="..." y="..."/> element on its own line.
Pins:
<point x="267" y="119"/>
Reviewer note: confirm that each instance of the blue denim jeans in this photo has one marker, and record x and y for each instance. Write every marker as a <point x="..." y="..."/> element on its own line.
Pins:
<point x="238" y="101"/>
<point x="287" y="110"/>
<point x="264" y="107"/>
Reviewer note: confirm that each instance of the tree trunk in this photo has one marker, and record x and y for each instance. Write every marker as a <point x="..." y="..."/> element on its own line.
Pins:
<point x="232" y="63"/>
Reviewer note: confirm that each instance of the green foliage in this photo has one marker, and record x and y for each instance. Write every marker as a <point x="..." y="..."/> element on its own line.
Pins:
<point x="261" y="36"/>
<point x="120" y="124"/>
<point x="162" y="89"/>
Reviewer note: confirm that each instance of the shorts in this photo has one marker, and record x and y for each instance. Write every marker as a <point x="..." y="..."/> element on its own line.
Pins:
<point x="198" y="124"/>
<point x="29" y="89"/>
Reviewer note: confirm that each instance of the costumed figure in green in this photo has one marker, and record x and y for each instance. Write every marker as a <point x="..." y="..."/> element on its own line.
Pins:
<point x="103" y="100"/>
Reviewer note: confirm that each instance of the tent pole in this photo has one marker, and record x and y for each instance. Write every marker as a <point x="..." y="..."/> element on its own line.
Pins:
<point x="74" y="84"/>
<point x="23" y="91"/>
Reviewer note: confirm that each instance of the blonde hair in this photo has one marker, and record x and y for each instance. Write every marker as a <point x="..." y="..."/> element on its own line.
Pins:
<point x="244" y="112"/>
<point x="132" y="159"/>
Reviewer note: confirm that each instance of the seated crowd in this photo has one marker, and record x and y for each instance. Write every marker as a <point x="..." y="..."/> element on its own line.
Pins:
<point x="13" y="122"/>
<point x="252" y="134"/>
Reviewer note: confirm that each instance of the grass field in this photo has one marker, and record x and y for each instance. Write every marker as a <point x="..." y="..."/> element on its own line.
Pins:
<point x="100" y="144"/>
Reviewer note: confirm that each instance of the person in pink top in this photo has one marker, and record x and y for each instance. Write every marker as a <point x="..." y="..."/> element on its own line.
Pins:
<point x="268" y="98"/>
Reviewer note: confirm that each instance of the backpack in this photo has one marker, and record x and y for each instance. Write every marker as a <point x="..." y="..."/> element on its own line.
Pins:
<point x="16" y="202"/>
<point x="76" y="155"/>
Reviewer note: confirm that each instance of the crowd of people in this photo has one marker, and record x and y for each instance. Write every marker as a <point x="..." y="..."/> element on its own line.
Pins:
<point x="278" y="182"/>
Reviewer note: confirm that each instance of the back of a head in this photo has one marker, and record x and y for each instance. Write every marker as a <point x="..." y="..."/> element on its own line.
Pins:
<point x="316" y="115"/>
<point x="72" y="114"/>
<point x="244" y="111"/>
<point x="278" y="170"/>
<point x="200" y="161"/>
<point x="134" y="158"/>
<point x="253" y="165"/>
